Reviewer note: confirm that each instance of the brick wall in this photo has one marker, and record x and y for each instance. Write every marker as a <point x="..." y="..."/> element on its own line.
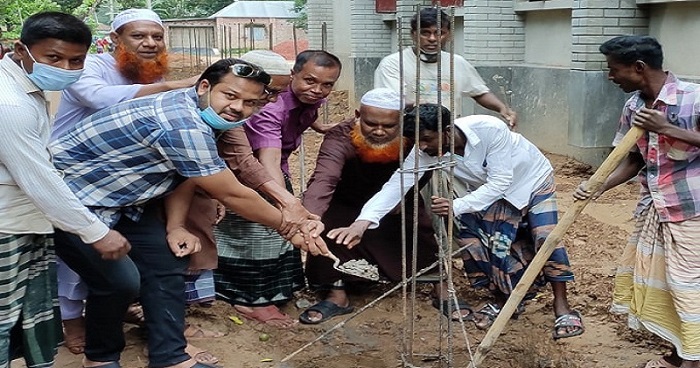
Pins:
<point x="596" y="21"/>
<point x="318" y="12"/>
<point x="493" y="33"/>
<point x="371" y="36"/>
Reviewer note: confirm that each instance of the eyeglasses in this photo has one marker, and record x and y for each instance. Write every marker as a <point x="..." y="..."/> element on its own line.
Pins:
<point x="249" y="71"/>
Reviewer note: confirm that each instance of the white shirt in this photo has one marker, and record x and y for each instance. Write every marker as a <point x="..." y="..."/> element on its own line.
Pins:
<point x="497" y="164"/>
<point x="467" y="79"/>
<point x="100" y="86"/>
<point x="33" y="197"/>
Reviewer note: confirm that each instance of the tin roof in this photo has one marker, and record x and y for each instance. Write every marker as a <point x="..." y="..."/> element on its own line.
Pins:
<point x="257" y="9"/>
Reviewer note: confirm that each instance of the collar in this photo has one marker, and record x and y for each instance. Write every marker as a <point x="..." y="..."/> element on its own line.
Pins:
<point x="15" y="71"/>
<point x="472" y="138"/>
<point x="668" y="94"/>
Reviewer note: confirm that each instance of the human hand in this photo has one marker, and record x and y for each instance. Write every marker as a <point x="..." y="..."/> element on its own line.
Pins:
<point x="220" y="212"/>
<point x="294" y="215"/>
<point x="182" y="242"/>
<point x="112" y="246"/>
<point x="441" y="206"/>
<point x="511" y="118"/>
<point x="349" y="236"/>
<point x="582" y="193"/>
<point x="316" y="246"/>
<point x="651" y="120"/>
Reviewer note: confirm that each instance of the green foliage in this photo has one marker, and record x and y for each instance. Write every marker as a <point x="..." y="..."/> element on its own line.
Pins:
<point x="302" y="20"/>
<point x="14" y="12"/>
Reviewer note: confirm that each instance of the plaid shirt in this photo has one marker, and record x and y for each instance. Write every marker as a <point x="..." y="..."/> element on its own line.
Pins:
<point x="123" y="156"/>
<point x="671" y="177"/>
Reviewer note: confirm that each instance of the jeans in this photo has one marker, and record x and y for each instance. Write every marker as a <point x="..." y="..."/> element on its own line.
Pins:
<point x="150" y="271"/>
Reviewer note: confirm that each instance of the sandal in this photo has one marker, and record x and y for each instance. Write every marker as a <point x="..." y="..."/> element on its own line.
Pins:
<point x="445" y="306"/>
<point x="74" y="335"/>
<point x="659" y="363"/>
<point x="326" y="309"/>
<point x="491" y="311"/>
<point x="572" y="319"/>
<point x="193" y="332"/>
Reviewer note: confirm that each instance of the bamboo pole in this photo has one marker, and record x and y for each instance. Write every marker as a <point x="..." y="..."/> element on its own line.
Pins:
<point x="593" y="185"/>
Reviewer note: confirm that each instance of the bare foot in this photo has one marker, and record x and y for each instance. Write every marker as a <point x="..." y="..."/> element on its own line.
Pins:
<point x="74" y="334"/>
<point x="269" y="315"/>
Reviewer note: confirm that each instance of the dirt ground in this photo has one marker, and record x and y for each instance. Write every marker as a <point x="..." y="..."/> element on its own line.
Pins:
<point x="374" y="339"/>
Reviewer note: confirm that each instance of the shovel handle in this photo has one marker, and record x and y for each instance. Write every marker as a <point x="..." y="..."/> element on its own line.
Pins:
<point x="546" y="249"/>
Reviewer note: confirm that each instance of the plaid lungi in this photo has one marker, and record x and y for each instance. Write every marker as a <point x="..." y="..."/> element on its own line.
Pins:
<point x="502" y="240"/>
<point x="30" y="322"/>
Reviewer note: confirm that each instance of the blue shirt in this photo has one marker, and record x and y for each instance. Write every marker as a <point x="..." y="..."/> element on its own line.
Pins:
<point x="123" y="156"/>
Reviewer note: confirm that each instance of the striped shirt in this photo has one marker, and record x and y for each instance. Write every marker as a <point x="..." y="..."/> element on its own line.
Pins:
<point x="121" y="157"/>
<point x="671" y="176"/>
<point x="32" y="195"/>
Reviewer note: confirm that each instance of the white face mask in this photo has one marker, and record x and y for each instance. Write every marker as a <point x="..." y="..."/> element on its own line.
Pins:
<point x="51" y="78"/>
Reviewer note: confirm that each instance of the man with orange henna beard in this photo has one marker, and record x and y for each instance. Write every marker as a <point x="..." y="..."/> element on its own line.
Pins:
<point x="355" y="160"/>
<point x="136" y="68"/>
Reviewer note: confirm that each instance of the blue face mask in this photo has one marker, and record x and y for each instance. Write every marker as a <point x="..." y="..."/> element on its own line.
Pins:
<point x="51" y="78"/>
<point x="217" y="122"/>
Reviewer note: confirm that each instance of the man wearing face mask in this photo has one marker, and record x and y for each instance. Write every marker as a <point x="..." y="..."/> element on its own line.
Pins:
<point x="121" y="161"/>
<point x="429" y="41"/>
<point x="235" y="149"/>
<point x="135" y="69"/>
<point x="259" y="273"/>
<point x="33" y="198"/>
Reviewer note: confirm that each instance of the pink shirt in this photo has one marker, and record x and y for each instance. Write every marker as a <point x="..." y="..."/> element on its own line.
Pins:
<point x="281" y="124"/>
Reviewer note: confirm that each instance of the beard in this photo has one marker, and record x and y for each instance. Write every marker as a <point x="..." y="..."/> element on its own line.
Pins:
<point x="376" y="153"/>
<point x="138" y="70"/>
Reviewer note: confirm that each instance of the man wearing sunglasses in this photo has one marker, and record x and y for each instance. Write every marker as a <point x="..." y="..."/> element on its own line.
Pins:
<point x="235" y="149"/>
<point x="136" y="68"/>
<point x="257" y="282"/>
<point x="120" y="162"/>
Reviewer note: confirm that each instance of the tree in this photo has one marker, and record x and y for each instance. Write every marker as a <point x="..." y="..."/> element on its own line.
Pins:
<point x="14" y="12"/>
<point x="302" y="20"/>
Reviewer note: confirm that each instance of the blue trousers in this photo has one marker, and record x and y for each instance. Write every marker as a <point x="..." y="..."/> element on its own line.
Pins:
<point x="150" y="271"/>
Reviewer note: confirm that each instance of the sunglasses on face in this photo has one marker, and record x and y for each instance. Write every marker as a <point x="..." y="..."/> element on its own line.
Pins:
<point x="249" y="71"/>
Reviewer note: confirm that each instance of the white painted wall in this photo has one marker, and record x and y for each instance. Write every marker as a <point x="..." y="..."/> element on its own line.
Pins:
<point x="548" y="37"/>
<point x="677" y="27"/>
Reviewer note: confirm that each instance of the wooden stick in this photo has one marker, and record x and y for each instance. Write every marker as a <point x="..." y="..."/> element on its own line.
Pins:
<point x="593" y="184"/>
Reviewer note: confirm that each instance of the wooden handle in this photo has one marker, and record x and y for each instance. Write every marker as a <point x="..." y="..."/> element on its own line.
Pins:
<point x="534" y="268"/>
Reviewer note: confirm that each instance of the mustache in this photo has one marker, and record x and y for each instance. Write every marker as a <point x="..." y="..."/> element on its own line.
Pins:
<point x="373" y="152"/>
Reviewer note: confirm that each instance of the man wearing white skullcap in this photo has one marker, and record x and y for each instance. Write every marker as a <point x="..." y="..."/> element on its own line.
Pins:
<point x="274" y="64"/>
<point x="136" y="68"/>
<point x="355" y="160"/>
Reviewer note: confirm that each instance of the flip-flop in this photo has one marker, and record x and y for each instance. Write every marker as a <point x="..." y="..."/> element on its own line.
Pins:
<point x="197" y="332"/>
<point x="327" y="310"/>
<point x="445" y="305"/>
<point x="491" y="312"/>
<point x="572" y="319"/>
<point x="266" y="315"/>
<point x="659" y="363"/>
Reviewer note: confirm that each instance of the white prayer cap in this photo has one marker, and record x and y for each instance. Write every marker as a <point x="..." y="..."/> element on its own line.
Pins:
<point x="271" y="62"/>
<point x="383" y="98"/>
<point x="133" y="15"/>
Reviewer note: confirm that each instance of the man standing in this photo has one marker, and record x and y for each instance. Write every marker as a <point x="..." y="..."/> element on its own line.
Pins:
<point x="121" y="161"/>
<point x="512" y="183"/>
<point x="658" y="280"/>
<point x="355" y="160"/>
<point x="429" y="41"/>
<point x="135" y="69"/>
<point x="49" y="56"/>
<point x="258" y="270"/>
